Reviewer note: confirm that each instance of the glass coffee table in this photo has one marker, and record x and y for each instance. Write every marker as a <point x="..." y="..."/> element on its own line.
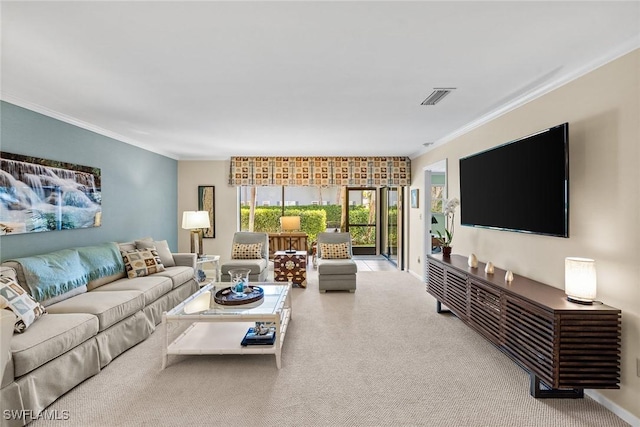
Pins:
<point x="199" y="325"/>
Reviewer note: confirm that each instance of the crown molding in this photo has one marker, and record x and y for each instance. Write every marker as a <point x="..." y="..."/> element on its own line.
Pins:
<point x="81" y="124"/>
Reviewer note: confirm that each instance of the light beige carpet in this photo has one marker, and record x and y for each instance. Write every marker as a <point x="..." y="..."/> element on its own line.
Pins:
<point x="381" y="356"/>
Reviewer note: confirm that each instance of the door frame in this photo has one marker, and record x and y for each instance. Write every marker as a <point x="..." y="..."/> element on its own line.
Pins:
<point x="384" y="224"/>
<point x="440" y="167"/>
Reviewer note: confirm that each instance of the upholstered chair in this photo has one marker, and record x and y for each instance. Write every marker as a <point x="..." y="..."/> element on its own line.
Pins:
<point x="336" y="267"/>
<point x="249" y="250"/>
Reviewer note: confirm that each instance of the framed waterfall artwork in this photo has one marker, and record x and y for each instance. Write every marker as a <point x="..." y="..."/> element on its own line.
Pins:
<point x="207" y="202"/>
<point x="39" y="195"/>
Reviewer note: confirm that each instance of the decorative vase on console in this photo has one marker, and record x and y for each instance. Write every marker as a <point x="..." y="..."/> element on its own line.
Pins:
<point x="449" y="211"/>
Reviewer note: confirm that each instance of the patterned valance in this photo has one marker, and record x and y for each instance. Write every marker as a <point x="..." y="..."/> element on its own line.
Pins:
<point x="320" y="171"/>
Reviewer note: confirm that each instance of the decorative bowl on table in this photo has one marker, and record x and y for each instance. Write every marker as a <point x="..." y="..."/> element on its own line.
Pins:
<point x="228" y="296"/>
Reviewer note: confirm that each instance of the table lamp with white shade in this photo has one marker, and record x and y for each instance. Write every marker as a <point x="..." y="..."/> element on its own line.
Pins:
<point x="580" y="280"/>
<point x="290" y="224"/>
<point x="196" y="221"/>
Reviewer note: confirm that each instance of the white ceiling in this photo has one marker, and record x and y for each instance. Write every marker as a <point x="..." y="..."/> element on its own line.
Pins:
<point x="208" y="80"/>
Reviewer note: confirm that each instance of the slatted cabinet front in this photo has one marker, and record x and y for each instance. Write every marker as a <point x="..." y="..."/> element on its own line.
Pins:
<point x="565" y="345"/>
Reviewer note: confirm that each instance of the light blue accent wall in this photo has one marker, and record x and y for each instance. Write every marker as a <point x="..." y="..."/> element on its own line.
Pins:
<point x="139" y="188"/>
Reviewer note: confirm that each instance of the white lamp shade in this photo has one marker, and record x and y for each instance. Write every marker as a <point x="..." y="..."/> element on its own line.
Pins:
<point x="290" y="223"/>
<point x="580" y="279"/>
<point x="195" y="219"/>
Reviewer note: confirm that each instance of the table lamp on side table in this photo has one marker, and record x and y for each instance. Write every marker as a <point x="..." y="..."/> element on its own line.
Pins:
<point x="290" y="224"/>
<point x="195" y="221"/>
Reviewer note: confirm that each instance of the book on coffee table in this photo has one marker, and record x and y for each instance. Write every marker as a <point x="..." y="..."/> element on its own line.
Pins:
<point x="252" y="338"/>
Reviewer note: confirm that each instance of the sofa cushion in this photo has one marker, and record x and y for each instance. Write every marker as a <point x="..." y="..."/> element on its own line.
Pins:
<point x="152" y="287"/>
<point x="26" y="309"/>
<point x="62" y="297"/>
<point x="178" y="275"/>
<point x="130" y="246"/>
<point x="109" y="307"/>
<point x="56" y="273"/>
<point x="335" y="250"/>
<point x="162" y="247"/>
<point x="104" y="280"/>
<point x="246" y="251"/>
<point x="142" y="262"/>
<point x="127" y="246"/>
<point x="50" y="338"/>
<point x="255" y="265"/>
<point x="337" y="266"/>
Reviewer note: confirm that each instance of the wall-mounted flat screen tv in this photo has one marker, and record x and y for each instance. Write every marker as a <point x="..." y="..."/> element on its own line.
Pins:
<point x="522" y="185"/>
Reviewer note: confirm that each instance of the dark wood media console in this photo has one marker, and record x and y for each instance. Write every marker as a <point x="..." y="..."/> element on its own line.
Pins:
<point x="565" y="347"/>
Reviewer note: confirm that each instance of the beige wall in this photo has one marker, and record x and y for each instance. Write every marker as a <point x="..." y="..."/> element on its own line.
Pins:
<point x="191" y="174"/>
<point x="603" y="112"/>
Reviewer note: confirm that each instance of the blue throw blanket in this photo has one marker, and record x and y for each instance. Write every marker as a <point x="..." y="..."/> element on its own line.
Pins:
<point x="58" y="272"/>
<point x="102" y="260"/>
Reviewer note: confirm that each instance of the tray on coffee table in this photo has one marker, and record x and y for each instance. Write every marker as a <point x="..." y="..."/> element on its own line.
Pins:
<point x="227" y="297"/>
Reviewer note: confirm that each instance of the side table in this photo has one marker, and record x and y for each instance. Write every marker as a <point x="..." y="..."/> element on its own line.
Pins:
<point x="214" y="260"/>
<point x="290" y="267"/>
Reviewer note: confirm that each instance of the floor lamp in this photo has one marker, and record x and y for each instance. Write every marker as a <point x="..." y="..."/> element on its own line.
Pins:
<point x="290" y="224"/>
<point x="195" y="221"/>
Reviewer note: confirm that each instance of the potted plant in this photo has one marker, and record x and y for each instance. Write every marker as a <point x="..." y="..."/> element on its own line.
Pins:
<point x="449" y="211"/>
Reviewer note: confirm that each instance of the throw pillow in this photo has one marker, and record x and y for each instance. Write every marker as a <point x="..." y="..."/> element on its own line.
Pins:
<point x="142" y="262"/>
<point x="246" y="251"/>
<point x="335" y="250"/>
<point x="21" y="303"/>
<point x="162" y="247"/>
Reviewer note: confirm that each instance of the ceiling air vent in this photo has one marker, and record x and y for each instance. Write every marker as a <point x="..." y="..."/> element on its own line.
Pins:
<point x="437" y="95"/>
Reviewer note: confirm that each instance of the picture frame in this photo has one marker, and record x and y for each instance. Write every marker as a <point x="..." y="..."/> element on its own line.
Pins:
<point x="414" y="198"/>
<point x="38" y="195"/>
<point x="207" y="202"/>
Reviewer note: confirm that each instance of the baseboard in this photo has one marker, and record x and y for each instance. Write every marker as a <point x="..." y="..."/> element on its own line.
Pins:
<point x="414" y="274"/>
<point x="613" y="407"/>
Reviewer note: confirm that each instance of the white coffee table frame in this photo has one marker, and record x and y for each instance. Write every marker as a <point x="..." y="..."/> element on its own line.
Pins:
<point x="219" y="329"/>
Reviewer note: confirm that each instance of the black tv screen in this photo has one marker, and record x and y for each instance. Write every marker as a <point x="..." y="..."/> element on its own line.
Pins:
<point x="522" y="185"/>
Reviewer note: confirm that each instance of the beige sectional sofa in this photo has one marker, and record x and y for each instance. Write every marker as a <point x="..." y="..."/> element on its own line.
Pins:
<point x="87" y="324"/>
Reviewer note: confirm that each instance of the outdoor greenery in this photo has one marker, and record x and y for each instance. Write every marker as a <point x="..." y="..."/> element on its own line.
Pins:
<point x="313" y="220"/>
<point x="361" y="236"/>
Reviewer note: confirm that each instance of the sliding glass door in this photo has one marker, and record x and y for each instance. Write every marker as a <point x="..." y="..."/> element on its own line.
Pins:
<point x="390" y="227"/>
<point x="361" y="220"/>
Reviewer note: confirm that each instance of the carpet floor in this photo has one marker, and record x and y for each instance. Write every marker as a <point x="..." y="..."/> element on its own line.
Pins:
<point x="380" y="356"/>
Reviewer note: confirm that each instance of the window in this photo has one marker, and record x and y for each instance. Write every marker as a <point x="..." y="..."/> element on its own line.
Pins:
<point x="273" y="201"/>
<point x="437" y="198"/>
